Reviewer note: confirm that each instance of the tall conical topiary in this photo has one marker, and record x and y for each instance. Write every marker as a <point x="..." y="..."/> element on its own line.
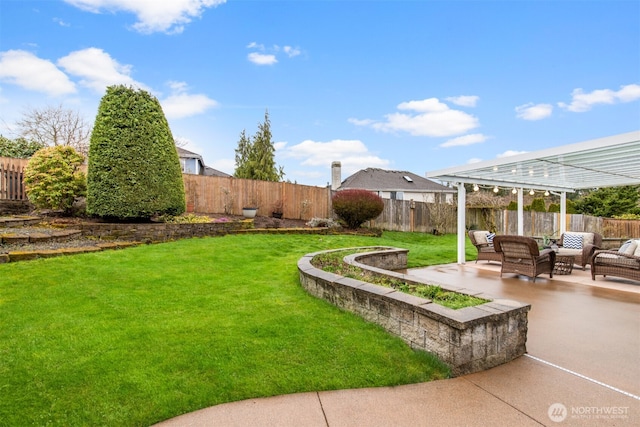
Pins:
<point x="134" y="170"/>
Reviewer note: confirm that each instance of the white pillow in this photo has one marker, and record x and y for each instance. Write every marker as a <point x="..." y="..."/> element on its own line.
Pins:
<point x="481" y="237"/>
<point x="637" y="251"/>
<point x="572" y="241"/>
<point x="628" y="248"/>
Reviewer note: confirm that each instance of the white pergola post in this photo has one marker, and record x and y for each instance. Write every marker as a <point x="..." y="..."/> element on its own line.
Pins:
<point x="563" y="212"/>
<point x="520" y="212"/>
<point x="462" y="206"/>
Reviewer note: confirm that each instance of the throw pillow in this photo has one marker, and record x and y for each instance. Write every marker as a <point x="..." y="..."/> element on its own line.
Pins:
<point x="572" y="241"/>
<point x="490" y="237"/>
<point x="637" y="251"/>
<point x="628" y="248"/>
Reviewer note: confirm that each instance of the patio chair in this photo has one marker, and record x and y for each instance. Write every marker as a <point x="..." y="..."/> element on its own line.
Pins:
<point x="486" y="250"/>
<point x="520" y="255"/>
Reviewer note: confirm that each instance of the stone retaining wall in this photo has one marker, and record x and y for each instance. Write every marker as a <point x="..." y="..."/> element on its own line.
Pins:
<point x="160" y="232"/>
<point x="469" y="340"/>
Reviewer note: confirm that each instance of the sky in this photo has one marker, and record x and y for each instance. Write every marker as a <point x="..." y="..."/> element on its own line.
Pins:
<point x="412" y="86"/>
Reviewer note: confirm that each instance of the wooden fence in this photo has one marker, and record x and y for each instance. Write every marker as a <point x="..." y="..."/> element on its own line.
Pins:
<point x="227" y="195"/>
<point x="11" y="174"/>
<point x="548" y="223"/>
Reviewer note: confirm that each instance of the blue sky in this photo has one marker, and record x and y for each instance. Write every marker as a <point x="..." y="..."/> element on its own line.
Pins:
<point x="402" y="85"/>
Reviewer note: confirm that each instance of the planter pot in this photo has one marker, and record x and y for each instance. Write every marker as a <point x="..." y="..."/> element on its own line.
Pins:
<point x="249" y="212"/>
<point x="276" y="215"/>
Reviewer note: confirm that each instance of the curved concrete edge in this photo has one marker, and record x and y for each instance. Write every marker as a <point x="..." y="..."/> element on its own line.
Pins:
<point x="469" y="340"/>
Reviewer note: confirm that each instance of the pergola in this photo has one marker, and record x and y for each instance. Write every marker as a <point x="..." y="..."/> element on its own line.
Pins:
<point x="606" y="162"/>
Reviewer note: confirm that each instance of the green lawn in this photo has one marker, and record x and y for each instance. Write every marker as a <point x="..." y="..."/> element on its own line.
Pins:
<point x="132" y="337"/>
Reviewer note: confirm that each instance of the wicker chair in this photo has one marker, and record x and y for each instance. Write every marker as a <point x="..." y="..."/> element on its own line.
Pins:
<point x="520" y="255"/>
<point x="486" y="250"/>
<point x="616" y="263"/>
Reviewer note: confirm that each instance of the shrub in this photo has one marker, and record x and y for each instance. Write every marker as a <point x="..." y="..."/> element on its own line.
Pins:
<point x="323" y="222"/>
<point x="512" y="206"/>
<point x="134" y="169"/>
<point x="538" y="205"/>
<point x="354" y="207"/>
<point x="554" y="207"/>
<point x="52" y="178"/>
<point x="18" y="148"/>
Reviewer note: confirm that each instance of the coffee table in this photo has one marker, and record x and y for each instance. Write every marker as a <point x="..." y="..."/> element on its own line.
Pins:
<point x="563" y="265"/>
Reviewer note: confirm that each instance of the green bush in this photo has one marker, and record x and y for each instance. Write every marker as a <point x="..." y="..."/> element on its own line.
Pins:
<point x="354" y="207"/>
<point x="52" y="178"/>
<point x="538" y="205"/>
<point x="554" y="207"/>
<point x="512" y="206"/>
<point x="134" y="169"/>
<point x="18" y="148"/>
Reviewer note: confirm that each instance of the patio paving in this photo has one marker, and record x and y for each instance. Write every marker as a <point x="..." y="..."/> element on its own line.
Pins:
<point x="582" y="367"/>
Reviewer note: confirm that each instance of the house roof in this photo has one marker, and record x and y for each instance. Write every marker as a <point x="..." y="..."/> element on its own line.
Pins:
<point x="388" y="180"/>
<point x="209" y="171"/>
<point x="186" y="154"/>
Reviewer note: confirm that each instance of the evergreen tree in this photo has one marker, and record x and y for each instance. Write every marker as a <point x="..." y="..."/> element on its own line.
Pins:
<point x="255" y="155"/>
<point x="611" y="201"/>
<point x="134" y="169"/>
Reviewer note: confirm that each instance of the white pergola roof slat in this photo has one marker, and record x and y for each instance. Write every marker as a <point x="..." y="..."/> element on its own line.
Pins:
<point x="604" y="162"/>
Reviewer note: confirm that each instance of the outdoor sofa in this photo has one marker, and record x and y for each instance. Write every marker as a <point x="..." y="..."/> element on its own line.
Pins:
<point x="624" y="262"/>
<point x="579" y="245"/>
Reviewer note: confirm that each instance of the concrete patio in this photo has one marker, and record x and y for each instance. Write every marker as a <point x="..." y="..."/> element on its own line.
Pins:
<point x="582" y="367"/>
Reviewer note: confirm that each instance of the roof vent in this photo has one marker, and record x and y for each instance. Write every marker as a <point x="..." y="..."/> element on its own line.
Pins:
<point x="407" y="178"/>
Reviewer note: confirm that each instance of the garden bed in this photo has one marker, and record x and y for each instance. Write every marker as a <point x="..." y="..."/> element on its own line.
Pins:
<point x="470" y="339"/>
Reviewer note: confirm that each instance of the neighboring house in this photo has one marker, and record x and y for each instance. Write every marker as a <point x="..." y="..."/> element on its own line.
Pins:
<point x="193" y="164"/>
<point x="397" y="185"/>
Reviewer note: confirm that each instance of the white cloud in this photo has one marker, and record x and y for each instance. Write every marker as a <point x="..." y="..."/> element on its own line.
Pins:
<point x="473" y="160"/>
<point x="269" y="55"/>
<point x="532" y="111"/>
<point x="97" y="69"/>
<point x="365" y="122"/>
<point x="582" y="101"/>
<point x="24" y="69"/>
<point x="291" y="51"/>
<point x="464" y="101"/>
<point x="352" y="154"/>
<point x="168" y="16"/>
<point x="181" y="104"/>
<point x="509" y="153"/>
<point x="262" y="58"/>
<point x="433" y="119"/>
<point x="61" y="22"/>
<point x="475" y="138"/>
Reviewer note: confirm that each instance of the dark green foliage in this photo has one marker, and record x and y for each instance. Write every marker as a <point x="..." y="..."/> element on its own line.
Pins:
<point x="610" y="202"/>
<point x="52" y="178"/>
<point x="512" y="206"/>
<point x="19" y="148"/>
<point x="134" y="169"/>
<point x="255" y="155"/>
<point x="571" y="207"/>
<point x="554" y="207"/>
<point x="538" y="205"/>
<point x="354" y="207"/>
